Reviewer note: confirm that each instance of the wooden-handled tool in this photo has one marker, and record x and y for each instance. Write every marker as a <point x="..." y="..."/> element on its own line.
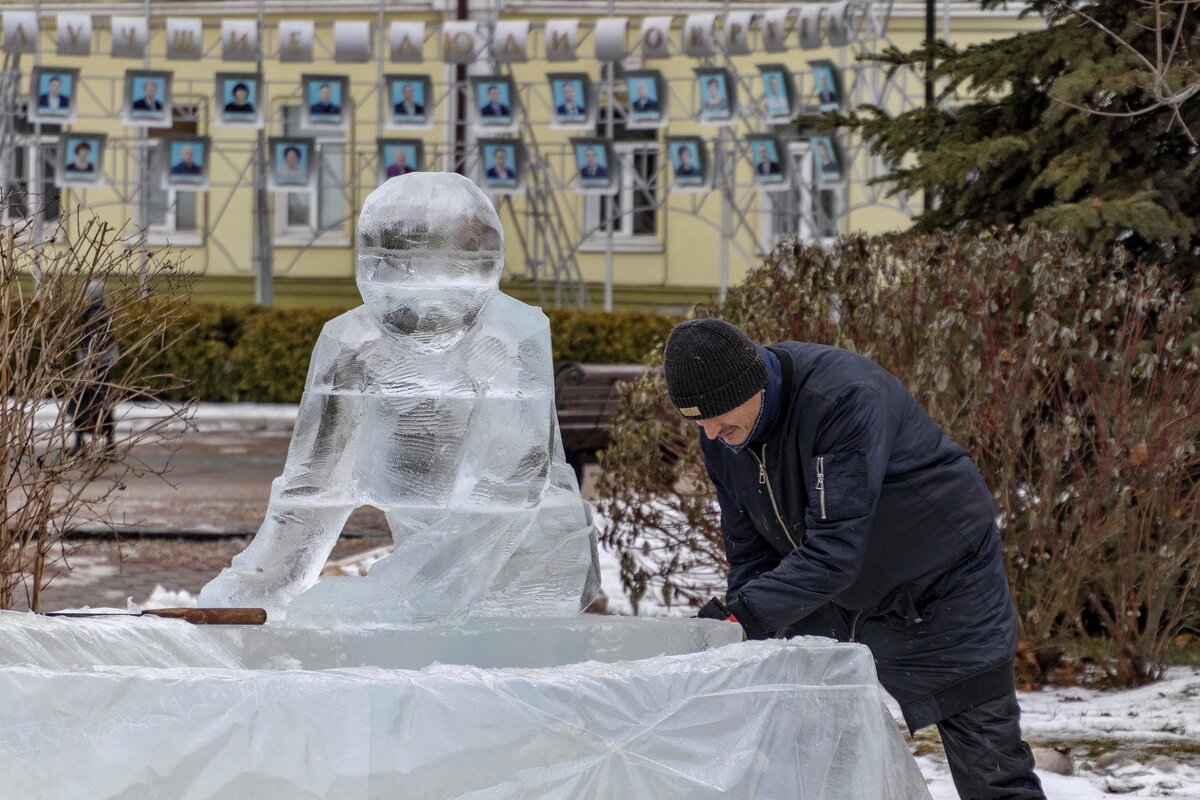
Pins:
<point x="196" y="616"/>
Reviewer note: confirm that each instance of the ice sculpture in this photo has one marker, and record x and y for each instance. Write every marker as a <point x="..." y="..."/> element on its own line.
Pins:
<point x="433" y="402"/>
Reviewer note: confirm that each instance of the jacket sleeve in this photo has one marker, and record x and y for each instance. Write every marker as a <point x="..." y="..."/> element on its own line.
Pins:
<point x="748" y="554"/>
<point x="853" y="445"/>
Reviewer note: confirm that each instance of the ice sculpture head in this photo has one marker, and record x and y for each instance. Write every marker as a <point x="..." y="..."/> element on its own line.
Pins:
<point x="430" y="253"/>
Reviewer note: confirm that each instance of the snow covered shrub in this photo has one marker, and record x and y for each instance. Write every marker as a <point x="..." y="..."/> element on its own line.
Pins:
<point x="1068" y="377"/>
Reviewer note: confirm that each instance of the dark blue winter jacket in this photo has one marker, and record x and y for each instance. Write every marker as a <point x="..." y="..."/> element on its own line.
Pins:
<point x="850" y="495"/>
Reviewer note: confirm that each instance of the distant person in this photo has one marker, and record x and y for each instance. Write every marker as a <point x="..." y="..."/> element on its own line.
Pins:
<point x="777" y="102"/>
<point x="493" y="107"/>
<point x="765" y="165"/>
<point x="291" y="170"/>
<point x="399" y="165"/>
<point x="408" y="105"/>
<point x="149" y="101"/>
<point x="644" y="103"/>
<point x="53" y="99"/>
<point x="96" y="357"/>
<point x="325" y="104"/>
<point x="687" y="166"/>
<point x="825" y="93"/>
<point x="592" y="168"/>
<point x="187" y="162"/>
<point x="241" y="100"/>
<point x="714" y="103"/>
<point x="83" y="159"/>
<point x="569" y="107"/>
<point x="499" y="171"/>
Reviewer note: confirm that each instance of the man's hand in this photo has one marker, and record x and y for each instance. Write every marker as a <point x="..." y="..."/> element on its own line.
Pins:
<point x="715" y="609"/>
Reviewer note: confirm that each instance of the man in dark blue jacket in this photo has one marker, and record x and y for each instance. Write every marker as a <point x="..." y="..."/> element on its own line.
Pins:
<point x="847" y="512"/>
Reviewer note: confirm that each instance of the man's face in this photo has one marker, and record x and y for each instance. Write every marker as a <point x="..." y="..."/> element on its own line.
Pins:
<point x="714" y="91"/>
<point x="643" y="91"/>
<point x="774" y="85"/>
<point x="589" y="156"/>
<point x="55" y="88"/>
<point x="734" y="426"/>
<point x="186" y="155"/>
<point x="150" y="90"/>
<point x="326" y="94"/>
<point x="493" y="94"/>
<point x="409" y="93"/>
<point x="501" y="159"/>
<point x="821" y="81"/>
<point x="685" y="156"/>
<point x="568" y="93"/>
<point x="763" y="155"/>
<point x="240" y="95"/>
<point x="400" y="157"/>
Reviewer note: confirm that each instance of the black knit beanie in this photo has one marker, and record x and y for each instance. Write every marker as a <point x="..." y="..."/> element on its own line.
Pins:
<point x="711" y="368"/>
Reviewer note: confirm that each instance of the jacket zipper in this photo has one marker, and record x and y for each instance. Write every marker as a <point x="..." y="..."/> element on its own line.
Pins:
<point x="762" y="478"/>
<point x="821" y="483"/>
<point x="854" y="627"/>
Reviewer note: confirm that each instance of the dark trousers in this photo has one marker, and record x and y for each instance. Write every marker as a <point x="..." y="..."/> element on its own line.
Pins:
<point x="947" y="659"/>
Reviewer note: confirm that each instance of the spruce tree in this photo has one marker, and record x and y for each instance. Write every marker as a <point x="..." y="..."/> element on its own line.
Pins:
<point x="1061" y="128"/>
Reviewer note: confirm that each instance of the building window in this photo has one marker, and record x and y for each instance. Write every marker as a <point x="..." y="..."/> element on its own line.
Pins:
<point x="808" y="209"/>
<point x="171" y="215"/>
<point x="321" y="210"/>
<point x="28" y="173"/>
<point x="633" y="212"/>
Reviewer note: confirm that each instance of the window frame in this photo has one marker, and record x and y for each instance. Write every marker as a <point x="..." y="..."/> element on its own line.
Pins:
<point x="623" y="235"/>
<point x="311" y="234"/>
<point x="805" y="193"/>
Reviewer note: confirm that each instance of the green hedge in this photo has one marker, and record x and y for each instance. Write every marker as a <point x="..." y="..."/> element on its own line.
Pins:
<point x="254" y="354"/>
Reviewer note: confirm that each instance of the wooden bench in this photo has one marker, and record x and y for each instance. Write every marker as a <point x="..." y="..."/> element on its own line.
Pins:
<point x="586" y="398"/>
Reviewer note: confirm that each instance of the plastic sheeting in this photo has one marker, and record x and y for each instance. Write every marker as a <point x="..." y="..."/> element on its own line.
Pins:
<point x="796" y="719"/>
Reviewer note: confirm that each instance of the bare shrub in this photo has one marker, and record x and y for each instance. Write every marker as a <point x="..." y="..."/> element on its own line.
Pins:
<point x="58" y="370"/>
<point x="1069" y="378"/>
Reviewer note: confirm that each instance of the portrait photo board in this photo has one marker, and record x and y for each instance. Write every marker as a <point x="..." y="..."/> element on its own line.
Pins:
<point x="495" y="103"/>
<point x="326" y="103"/>
<point x="826" y="89"/>
<point x="691" y="172"/>
<point x="600" y="177"/>
<point x="778" y="92"/>
<point x="648" y="101"/>
<point x="148" y="98"/>
<point x="239" y="101"/>
<point x="717" y="96"/>
<point x="81" y="160"/>
<point x="827" y="159"/>
<point x="768" y="160"/>
<point x="413" y="114"/>
<point x="391" y="164"/>
<point x="490" y="178"/>
<point x="45" y="110"/>
<point x="572" y="89"/>
<point x="184" y="162"/>
<point x="287" y="174"/>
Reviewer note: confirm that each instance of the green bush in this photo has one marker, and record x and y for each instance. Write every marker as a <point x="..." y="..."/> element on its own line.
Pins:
<point x="254" y="354"/>
<point x="1070" y="379"/>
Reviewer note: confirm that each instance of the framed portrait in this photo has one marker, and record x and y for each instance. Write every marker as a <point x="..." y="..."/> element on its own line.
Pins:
<point x="827" y="159"/>
<point x="778" y="92"/>
<point x="767" y="157"/>
<point x="325" y="98"/>
<point x="827" y="85"/>
<point x="239" y="100"/>
<point x="571" y="95"/>
<point x="689" y="164"/>
<point x="595" y="166"/>
<point x="502" y="166"/>
<point x="410" y="101"/>
<point x="718" y="96"/>
<point x="647" y="99"/>
<point x="185" y="163"/>
<point x="81" y="159"/>
<point x="495" y="102"/>
<point x="291" y="161"/>
<point x="399" y="157"/>
<point x="52" y="92"/>
<point x="148" y="98"/>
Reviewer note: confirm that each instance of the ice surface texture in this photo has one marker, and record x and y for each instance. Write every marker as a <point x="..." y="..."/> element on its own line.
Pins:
<point x="433" y="402"/>
<point x="776" y="719"/>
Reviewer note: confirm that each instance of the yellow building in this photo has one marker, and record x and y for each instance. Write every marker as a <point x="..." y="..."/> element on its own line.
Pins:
<point x="650" y="233"/>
